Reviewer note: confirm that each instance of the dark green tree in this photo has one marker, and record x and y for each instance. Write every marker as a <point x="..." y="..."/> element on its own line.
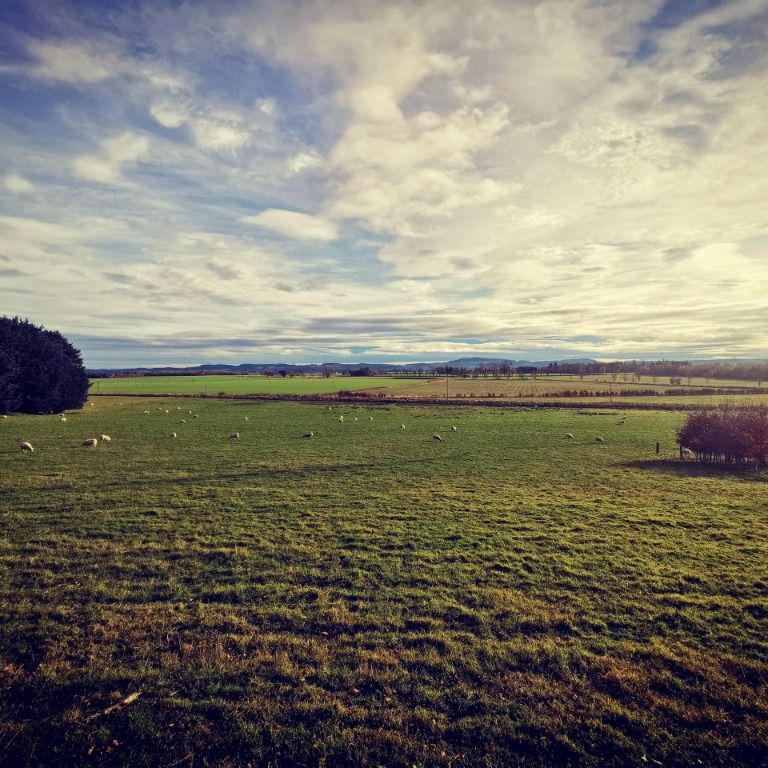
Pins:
<point x="40" y="371"/>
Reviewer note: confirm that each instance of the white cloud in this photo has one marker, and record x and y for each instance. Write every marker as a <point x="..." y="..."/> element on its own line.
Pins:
<point x="106" y="166"/>
<point x="17" y="184"/>
<point x="300" y="226"/>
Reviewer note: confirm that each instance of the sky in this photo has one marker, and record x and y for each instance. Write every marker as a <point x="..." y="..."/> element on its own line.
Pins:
<point x="187" y="182"/>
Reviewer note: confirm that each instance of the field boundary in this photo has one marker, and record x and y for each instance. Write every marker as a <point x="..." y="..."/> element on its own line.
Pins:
<point x="417" y="401"/>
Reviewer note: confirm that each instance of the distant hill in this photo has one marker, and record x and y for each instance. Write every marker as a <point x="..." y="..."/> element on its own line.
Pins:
<point x="245" y="368"/>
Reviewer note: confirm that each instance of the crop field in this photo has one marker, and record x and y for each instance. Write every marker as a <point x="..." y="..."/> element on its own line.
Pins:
<point x="371" y="596"/>
<point x="547" y="387"/>
<point x="233" y="385"/>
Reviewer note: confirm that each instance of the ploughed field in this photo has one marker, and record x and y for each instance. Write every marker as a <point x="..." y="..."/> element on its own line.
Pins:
<point x="370" y="596"/>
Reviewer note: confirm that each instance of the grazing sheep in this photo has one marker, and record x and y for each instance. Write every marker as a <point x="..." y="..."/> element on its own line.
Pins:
<point x="599" y="440"/>
<point x="189" y="412"/>
<point x="246" y="418"/>
<point x="568" y="436"/>
<point x="454" y="429"/>
<point x="437" y="437"/>
<point x="402" y="426"/>
<point x="4" y="416"/>
<point x="178" y="407"/>
<point x="309" y="434"/>
<point x="167" y="411"/>
<point x="196" y="416"/>
<point x="62" y="418"/>
<point x="370" y="418"/>
<point x="172" y="435"/>
<point x="183" y="421"/>
<point x="341" y="419"/>
<point x="92" y="442"/>
<point x="26" y="447"/>
<point x="234" y="436"/>
<point x="105" y="438"/>
<point x="147" y="412"/>
<point x="355" y="418"/>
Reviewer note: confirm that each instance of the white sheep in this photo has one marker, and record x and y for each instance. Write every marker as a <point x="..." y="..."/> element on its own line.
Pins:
<point x="234" y="436"/>
<point x="309" y="434"/>
<point x="196" y="416"/>
<point x="26" y="447"/>
<point x="402" y="426"/>
<point x="437" y="437"/>
<point x="189" y="412"/>
<point x="172" y="436"/>
<point x="568" y="436"/>
<point x="687" y="453"/>
<point x="246" y="418"/>
<point x="62" y="418"/>
<point x="178" y="407"/>
<point x="599" y="440"/>
<point x="370" y="418"/>
<point x="146" y="412"/>
<point x="167" y="411"/>
<point x="454" y="429"/>
<point x="3" y="416"/>
<point x="183" y="421"/>
<point x="105" y="438"/>
<point x="355" y="418"/>
<point x="91" y="442"/>
<point x="341" y="419"/>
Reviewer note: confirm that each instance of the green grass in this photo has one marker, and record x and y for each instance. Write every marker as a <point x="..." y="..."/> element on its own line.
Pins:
<point x="237" y="385"/>
<point x="505" y="597"/>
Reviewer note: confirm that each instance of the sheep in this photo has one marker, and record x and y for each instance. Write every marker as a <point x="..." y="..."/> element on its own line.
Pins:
<point x="91" y="442"/>
<point x="437" y="437"/>
<point x="172" y="436"/>
<point x="568" y="436"/>
<point x="454" y="429"/>
<point x="687" y="453"/>
<point x="196" y="416"/>
<point x="599" y="440"/>
<point x="189" y="412"/>
<point x="341" y="419"/>
<point x="167" y="411"/>
<point x="234" y="436"/>
<point x="246" y="418"/>
<point x="355" y="418"/>
<point x="402" y="426"/>
<point x="105" y="438"/>
<point x="4" y="416"/>
<point x="370" y="418"/>
<point x="178" y="407"/>
<point x="25" y="447"/>
<point x="309" y="434"/>
<point x="146" y="412"/>
<point x="183" y="421"/>
<point x="62" y="418"/>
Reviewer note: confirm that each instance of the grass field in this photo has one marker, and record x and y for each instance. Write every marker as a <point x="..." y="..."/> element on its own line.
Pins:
<point x="234" y="385"/>
<point x="505" y="597"/>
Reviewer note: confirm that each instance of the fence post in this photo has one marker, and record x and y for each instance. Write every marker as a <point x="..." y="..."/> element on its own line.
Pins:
<point x="658" y="448"/>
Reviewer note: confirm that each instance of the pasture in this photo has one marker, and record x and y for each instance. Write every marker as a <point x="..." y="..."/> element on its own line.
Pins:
<point x="370" y="596"/>
<point x="237" y="385"/>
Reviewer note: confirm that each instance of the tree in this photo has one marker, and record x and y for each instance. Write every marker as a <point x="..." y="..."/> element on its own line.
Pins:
<point x="40" y="371"/>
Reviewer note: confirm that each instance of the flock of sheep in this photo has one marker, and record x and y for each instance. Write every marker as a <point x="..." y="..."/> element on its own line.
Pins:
<point x="93" y="442"/>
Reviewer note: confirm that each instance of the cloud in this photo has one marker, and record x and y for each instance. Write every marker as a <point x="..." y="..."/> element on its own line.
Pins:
<point x="300" y="226"/>
<point x="17" y="184"/>
<point x="106" y="166"/>
<point x="515" y="176"/>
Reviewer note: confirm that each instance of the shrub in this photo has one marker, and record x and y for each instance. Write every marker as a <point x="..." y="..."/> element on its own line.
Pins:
<point x="40" y="371"/>
<point x="727" y="434"/>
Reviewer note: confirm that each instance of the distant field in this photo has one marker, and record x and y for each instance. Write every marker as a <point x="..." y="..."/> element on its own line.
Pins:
<point x="505" y="597"/>
<point x="233" y="385"/>
<point x="548" y="386"/>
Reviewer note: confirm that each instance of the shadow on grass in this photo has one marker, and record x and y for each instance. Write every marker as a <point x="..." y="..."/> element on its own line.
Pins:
<point x="681" y="468"/>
